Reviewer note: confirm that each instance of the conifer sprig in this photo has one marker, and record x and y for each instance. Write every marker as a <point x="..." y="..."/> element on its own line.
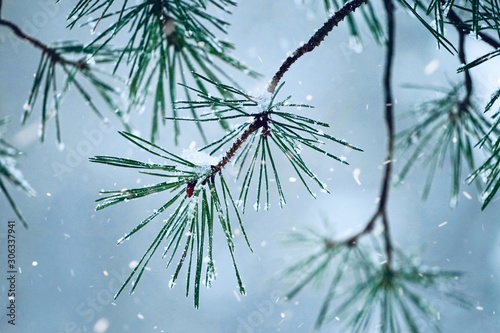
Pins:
<point x="76" y="74"/>
<point x="199" y="198"/>
<point x="444" y="127"/>
<point x="289" y="132"/>
<point x="166" y="39"/>
<point x="200" y="192"/>
<point x="361" y="286"/>
<point x="73" y="60"/>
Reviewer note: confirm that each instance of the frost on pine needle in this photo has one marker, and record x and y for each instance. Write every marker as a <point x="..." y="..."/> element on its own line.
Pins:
<point x="10" y="172"/>
<point x="202" y="160"/>
<point x="264" y="102"/>
<point x="199" y="194"/>
<point x="9" y="168"/>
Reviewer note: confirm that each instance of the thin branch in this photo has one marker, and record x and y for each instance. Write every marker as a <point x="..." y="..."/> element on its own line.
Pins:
<point x="381" y="211"/>
<point x="468" y="79"/>
<point x="457" y="22"/>
<point x="54" y="56"/>
<point x="314" y="41"/>
<point x="259" y="121"/>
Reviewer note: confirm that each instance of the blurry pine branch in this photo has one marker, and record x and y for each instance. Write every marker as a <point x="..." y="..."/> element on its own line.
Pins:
<point x="445" y="128"/>
<point x="363" y="293"/>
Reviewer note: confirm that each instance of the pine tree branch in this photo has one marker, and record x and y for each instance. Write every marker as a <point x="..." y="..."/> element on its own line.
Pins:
<point x="312" y="43"/>
<point x="315" y="40"/>
<point x="54" y="56"/>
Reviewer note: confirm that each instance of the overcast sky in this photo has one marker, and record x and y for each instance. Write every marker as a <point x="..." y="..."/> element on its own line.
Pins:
<point x="68" y="260"/>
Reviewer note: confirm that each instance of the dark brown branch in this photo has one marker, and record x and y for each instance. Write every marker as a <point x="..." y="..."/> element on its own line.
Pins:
<point x="465" y="102"/>
<point x="314" y="41"/>
<point x="381" y="211"/>
<point x="260" y="121"/>
<point x="457" y="21"/>
<point x="54" y="56"/>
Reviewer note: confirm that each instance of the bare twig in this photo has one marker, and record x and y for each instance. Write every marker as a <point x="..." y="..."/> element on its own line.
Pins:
<point x="381" y="211"/>
<point x="389" y="121"/>
<point x="54" y="56"/>
<point x="457" y="22"/>
<point x="464" y="104"/>
<point x="315" y="40"/>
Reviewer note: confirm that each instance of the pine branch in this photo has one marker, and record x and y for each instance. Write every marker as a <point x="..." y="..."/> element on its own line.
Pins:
<point x="361" y="288"/>
<point x="459" y="24"/>
<point x="450" y="124"/>
<point x="389" y="121"/>
<point x="45" y="81"/>
<point x="197" y="199"/>
<point x="166" y="42"/>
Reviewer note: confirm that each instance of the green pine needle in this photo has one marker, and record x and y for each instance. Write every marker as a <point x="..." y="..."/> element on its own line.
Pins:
<point x="198" y="198"/>
<point x="9" y="172"/>
<point x="254" y="158"/>
<point x="446" y="126"/>
<point x="165" y="40"/>
<point x="364" y="294"/>
<point x="76" y="73"/>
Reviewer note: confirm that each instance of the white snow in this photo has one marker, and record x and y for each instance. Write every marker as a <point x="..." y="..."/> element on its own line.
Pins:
<point x="168" y="27"/>
<point x="355" y="44"/>
<point x="9" y="164"/>
<point x="431" y="67"/>
<point x="199" y="158"/>
<point x="263" y="101"/>
<point x="101" y="325"/>
<point x="356" y="173"/>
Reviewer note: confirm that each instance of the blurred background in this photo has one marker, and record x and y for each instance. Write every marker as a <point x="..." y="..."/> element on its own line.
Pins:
<point x="70" y="266"/>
